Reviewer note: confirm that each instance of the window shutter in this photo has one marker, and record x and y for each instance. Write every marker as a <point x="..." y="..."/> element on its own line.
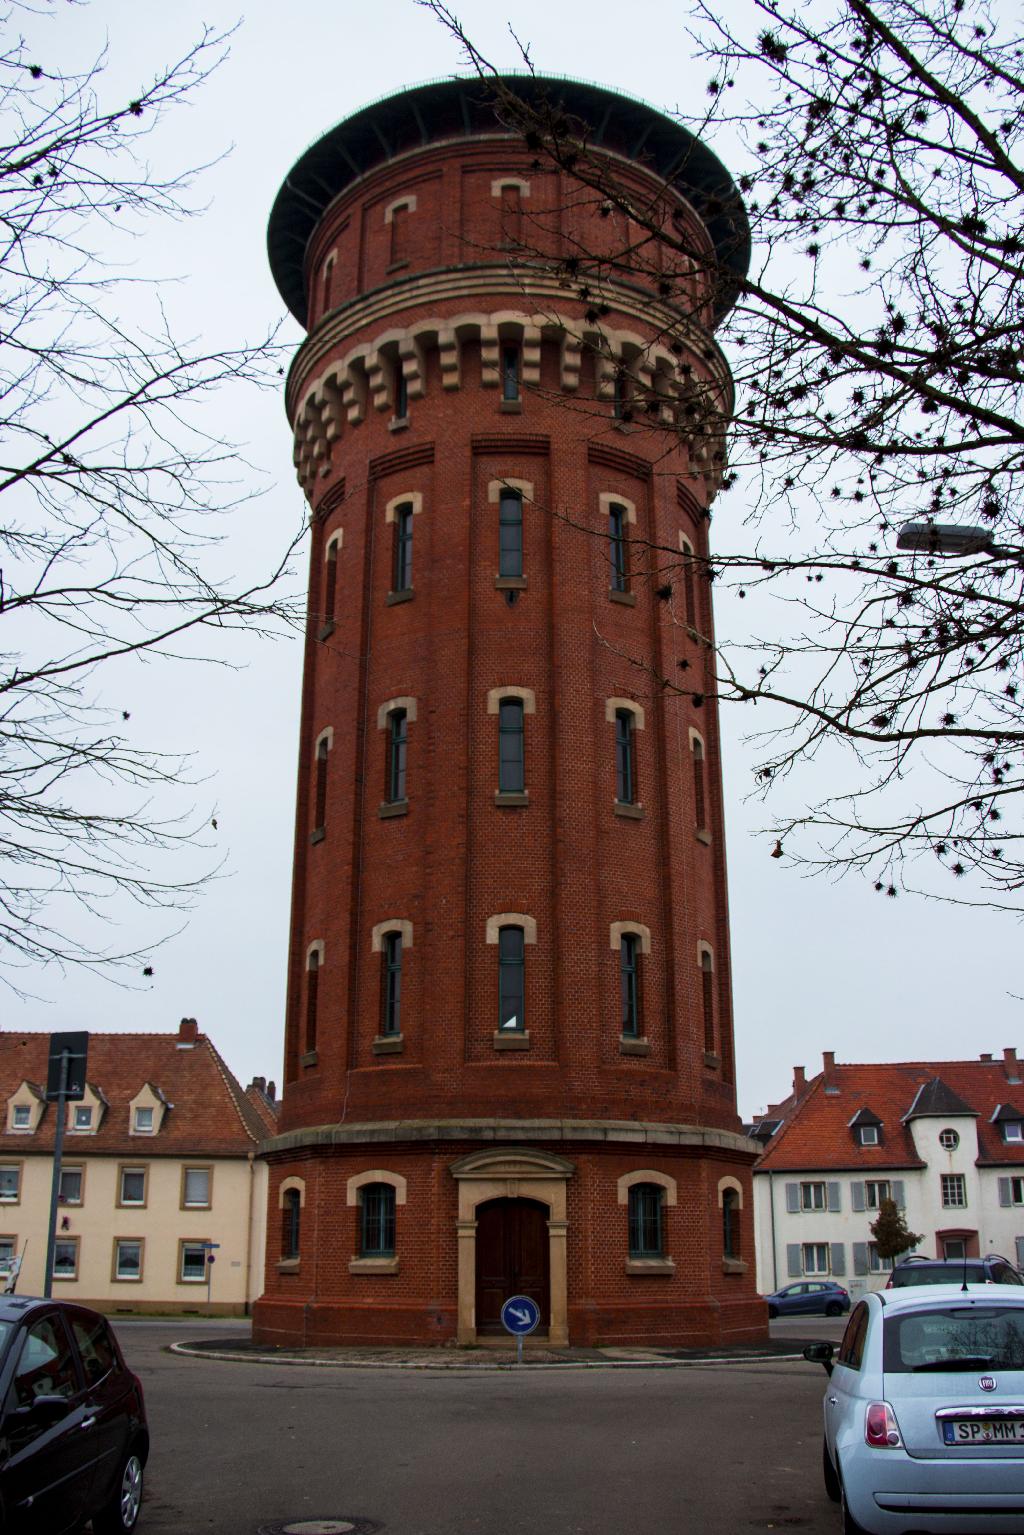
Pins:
<point x="793" y="1258"/>
<point x="1020" y="1251"/>
<point x="838" y="1260"/>
<point x="833" y="1197"/>
<point x="856" y="1198"/>
<point x="860" y="1257"/>
<point x="898" y="1194"/>
<point x="793" y="1200"/>
<point x="1004" y="1192"/>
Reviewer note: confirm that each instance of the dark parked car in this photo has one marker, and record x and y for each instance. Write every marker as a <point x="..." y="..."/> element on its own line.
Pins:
<point x="992" y="1269"/>
<point x="73" y="1435"/>
<point x="809" y="1297"/>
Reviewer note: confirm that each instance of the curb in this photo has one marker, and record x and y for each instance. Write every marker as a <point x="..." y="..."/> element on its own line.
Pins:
<point x="230" y="1356"/>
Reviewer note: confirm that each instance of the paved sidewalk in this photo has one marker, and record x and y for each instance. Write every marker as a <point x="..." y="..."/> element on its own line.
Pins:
<point x="488" y="1358"/>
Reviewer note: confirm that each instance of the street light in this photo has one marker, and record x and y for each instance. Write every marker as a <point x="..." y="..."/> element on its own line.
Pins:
<point x="948" y="538"/>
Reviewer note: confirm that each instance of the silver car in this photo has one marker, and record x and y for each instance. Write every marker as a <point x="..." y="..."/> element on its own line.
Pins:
<point x="924" y="1411"/>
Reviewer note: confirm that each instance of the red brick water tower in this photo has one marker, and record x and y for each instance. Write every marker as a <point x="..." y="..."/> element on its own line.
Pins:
<point x="509" y="1051"/>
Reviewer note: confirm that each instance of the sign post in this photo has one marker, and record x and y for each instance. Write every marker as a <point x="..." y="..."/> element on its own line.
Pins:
<point x="65" y="1083"/>
<point x="210" y="1261"/>
<point x="519" y="1316"/>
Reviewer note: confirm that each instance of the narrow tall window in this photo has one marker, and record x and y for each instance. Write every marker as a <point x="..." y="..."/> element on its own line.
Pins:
<point x="399" y="234"/>
<point x="510" y="372"/>
<point x="707" y="977"/>
<point x="625" y="757"/>
<point x="391" y="1009"/>
<point x="511" y="979"/>
<point x="618" y="548"/>
<point x="328" y="276"/>
<point x="312" y="991"/>
<point x="700" y="816"/>
<point x="689" y="590"/>
<point x="291" y="1218"/>
<point x="510" y="533"/>
<point x="401" y="577"/>
<point x="620" y="395"/>
<point x="330" y="583"/>
<point x="646" y="1237"/>
<point x="629" y="979"/>
<point x="730" y="1223"/>
<point x="377" y="1221"/>
<point x="398" y="737"/>
<point x="511" y="747"/>
<point x="511" y="216"/>
<point x="401" y="392"/>
<point x="320" y="809"/>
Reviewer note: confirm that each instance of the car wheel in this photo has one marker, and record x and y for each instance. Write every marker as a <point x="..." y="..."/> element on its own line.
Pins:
<point x="828" y="1472"/>
<point x="833" y="1308"/>
<point x="120" y="1514"/>
<point x="773" y="1311"/>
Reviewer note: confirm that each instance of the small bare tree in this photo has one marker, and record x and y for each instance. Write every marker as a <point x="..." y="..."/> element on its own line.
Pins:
<point x="875" y="341"/>
<point x="111" y="485"/>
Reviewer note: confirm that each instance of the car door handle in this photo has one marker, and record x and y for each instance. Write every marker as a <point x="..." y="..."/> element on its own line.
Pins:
<point x="88" y="1422"/>
<point x="832" y="1401"/>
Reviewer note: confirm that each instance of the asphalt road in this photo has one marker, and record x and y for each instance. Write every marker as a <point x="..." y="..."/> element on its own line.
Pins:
<point x="566" y="1452"/>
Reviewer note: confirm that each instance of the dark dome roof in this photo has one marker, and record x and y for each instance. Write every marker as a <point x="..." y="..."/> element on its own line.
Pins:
<point x="447" y="109"/>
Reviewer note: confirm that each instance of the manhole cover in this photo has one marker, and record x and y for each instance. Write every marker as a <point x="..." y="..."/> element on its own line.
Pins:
<point x="340" y="1524"/>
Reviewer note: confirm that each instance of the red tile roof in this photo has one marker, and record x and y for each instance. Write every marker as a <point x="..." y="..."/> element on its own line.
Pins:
<point x="817" y="1132"/>
<point x="211" y="1115"/>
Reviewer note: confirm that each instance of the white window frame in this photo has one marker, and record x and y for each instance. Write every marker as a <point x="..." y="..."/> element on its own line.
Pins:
<point x="876" y="1184"/>
<point x="137" y="1126"/>
<point x="809" y="1197"/>
<point x="15" y="1168"/>
<point x="1013" y="1131"/>
<point x="74" y="1244"/>
<point x="950" y="1184"/>
<point x="869" y="1135"/>
<point x="810" y="1252"/>
<point x="80" y="1170"/>
<point x="120" y="1242"/>
<point x="876" y="1263"/>
<point x="1017" y="1191"/>
<point x="122" y="1173"/>
<point x="194" y="1204"/>
<point x="85" y="1111"/>
<point x="949" y="1139"/>
<point x="186" y="1246"/>
<point x="25" y="1121"/>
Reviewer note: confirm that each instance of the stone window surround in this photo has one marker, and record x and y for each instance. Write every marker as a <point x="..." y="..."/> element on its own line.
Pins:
<point x="287" y="1184"/>
<point x="607" y="499"/>
<point x="380" y="931"/>
<point x="499" y="184"/>
<point x="497" y="488"/>
<point x="613" y="705"/>
<point x="354" y="1198"/>
<point x="525" y="695"/>
<point x="511" y="919"/>
<point x="132" y="1204"/>
<point x="319" y="948"/>
<point x="196" y="1167"/>
<point x="115" y="1277"/>
<point x="617" y="929"/>
<point x="655" y="1268"/>
<point x="413" y="498"/>
<point x="406" y="201"/>
<point x="390" y="705"/>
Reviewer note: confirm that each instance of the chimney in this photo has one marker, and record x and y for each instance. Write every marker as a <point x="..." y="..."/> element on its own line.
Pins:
<point x="799" y="1081"/>
<point x="1010" y="1064"/>
<point x="272" y="1092"/>
<point x="828" y="1060"/>
<point x="986" y="1055"/>
<point x="188" y="1033"/>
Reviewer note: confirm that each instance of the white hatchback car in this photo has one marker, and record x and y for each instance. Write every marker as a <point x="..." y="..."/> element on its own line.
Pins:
<point x="924" y="1411"/>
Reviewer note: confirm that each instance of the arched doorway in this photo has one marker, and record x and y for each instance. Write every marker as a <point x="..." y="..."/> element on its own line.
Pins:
<point x="512" y="1258"/>
<point x="514" y="1174"/>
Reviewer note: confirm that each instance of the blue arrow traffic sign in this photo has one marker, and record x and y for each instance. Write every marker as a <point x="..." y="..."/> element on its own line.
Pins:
<point x="520" y="1315"/>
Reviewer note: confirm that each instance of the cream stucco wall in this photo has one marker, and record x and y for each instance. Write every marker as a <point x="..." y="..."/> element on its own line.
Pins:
<point x="236" y="1219"/>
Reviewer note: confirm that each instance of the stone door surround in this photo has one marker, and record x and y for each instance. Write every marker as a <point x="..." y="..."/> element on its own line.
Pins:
<point x="513" y="1172"/>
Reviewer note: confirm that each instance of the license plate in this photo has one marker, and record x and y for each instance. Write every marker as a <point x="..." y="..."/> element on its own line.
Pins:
<point x="983" y="1431"/>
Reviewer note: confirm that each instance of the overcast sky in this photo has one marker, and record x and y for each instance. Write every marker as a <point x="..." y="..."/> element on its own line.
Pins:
<point x="817" y="965"/>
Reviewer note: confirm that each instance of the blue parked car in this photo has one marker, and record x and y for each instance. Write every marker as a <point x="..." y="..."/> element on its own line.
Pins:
<point x="809" y="1297"/>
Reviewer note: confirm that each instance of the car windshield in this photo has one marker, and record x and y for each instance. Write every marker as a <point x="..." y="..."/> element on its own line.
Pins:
<point x="939" y="1273"/>
<point x="954" y="1338"/>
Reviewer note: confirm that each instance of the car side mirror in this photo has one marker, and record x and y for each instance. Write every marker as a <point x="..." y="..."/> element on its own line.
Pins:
<point x="820" y="1353"/>
<point x="48" y="1407"/>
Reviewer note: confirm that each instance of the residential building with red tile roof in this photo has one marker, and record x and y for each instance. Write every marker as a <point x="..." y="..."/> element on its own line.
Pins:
<point x="159" y="1162"/>
<point x="944" y="1139"/>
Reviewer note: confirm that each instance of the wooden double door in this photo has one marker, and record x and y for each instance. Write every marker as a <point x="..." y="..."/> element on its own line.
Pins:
<point x="512" y="1258"/>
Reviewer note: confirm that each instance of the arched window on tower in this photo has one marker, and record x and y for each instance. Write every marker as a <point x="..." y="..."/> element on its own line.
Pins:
<point x="511" y="980"/>
<point x="625" y="757"/>
<point x="510" y="533"/>
<point x="401" y="577"/>
<point x="618" y="547"/>
<point x="391" y="984"/>
<point x="314" y="960"/>
<point x="323" y="748"/>
<point x="629" y="984"/>
<point x="398" y="741"/>
<point x="377" y="1221"/>
<point x="511" y="216"/>
<point x="700" y="815"/>
<point x="730" y="1223"/>
<point x="330" y="596"/>
<point x="646" y="1225"/>
<point x="511" y="747"/>
<point x="689" y="571"/>
<point x="707" y="978"/>
<point x="291" y="1223"/>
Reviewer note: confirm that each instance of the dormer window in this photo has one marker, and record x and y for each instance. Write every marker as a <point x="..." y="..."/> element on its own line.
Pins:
<point x="82" y="1117"/>
<point x="21" y="1117"/>
<point x="1013" y="1130"/>
<point x="142" y="1121"/>
<point x="869" y="1135"/>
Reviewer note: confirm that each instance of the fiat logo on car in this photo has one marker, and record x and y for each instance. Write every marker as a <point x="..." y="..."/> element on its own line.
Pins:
<point x="987" y="1383"/>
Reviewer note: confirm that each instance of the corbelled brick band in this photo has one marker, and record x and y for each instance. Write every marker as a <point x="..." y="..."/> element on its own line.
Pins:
<point x="538" y="1093"/>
